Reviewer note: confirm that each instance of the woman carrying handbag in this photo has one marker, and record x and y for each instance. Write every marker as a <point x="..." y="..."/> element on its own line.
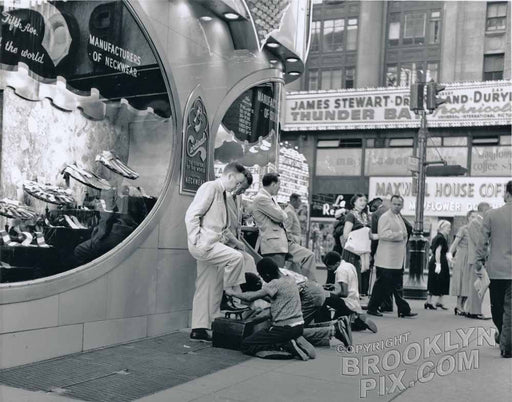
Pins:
<point x="438" y="270"/>
<point x="356" y="248"/>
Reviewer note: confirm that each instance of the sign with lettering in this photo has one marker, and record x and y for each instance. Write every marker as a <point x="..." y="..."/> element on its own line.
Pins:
<point x="253" y="115"/>
<point x="468" y="104"/>
<point x="325" y="205"/>
<point x="496" y="161"/>
<point x="194" y="164"/>
<point x="105" y="53"/>
<point x="444" y="196"/>
<point x="26" y="37"/>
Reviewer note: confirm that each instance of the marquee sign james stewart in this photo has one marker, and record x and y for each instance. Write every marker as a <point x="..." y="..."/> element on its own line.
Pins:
<point x="468" y="104"/>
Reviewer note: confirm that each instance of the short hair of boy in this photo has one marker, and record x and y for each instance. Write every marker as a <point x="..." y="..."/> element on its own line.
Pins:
<point x="267" y="269"/>
<point x="332" y="258"/>
<point x="234" y="167"/>
<point x="269" y="178"/>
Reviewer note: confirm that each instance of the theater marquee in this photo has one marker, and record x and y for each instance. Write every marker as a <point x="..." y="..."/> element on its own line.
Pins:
<point x="468" y="104"/>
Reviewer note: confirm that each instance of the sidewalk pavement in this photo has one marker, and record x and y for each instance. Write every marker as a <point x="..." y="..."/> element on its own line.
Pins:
<point x="440" y="357"/>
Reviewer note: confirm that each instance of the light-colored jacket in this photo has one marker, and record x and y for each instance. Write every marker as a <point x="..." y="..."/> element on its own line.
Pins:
<point x="270" y="218"/>
<point x="497" y="231"/>
<point x="292" y="224"/>
<point x="392" y="246"/>
<point x="206" y="218"/>
<point x="475" y="228"/>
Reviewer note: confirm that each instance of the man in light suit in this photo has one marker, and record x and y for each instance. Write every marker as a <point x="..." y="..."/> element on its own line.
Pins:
<point x="270" y="219"/>
<point x="207" y="222"/>
<point x="497" y="231"/>
<point x="390" y="259"/>
<point x="292" y="223"/>
<point x="473" y="306"/>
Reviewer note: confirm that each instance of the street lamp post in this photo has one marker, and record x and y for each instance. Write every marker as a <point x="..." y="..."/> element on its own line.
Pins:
<point x="415" y="287"/>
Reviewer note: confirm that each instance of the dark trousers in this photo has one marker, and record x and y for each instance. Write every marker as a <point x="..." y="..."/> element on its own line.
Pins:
<point x="365" y="282"/>
<point x="500" y="292"/>
<point x="279" y="258"/>
<point x="389" y="281"/>
<point x="336" y="303"/>
<point x="273" y="338"/>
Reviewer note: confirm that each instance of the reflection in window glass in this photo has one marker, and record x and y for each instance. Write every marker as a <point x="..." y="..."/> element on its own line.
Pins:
<point x="338" y="162"/>
<point x="493" y="67"/>
<point x="83" y="158"/>
<point x="434" y="27"/>
<point x="313" y="80"/>
<point x="496" y="16"/>
<point x="350" y="73"/>
<point x="315" y="36"/>
<point x="491" y="161"/>
<point x="387" y="161"/>
<point x="392" y="76"/>
<point x="394" y="29"/>
<point x="352" y="34"/>
<point x="455" y="141"/>
<point x="414" y="28"/>
<point x="333" y="35"/>
<point x="453" y="155"/>
<point x="432" y="71"/>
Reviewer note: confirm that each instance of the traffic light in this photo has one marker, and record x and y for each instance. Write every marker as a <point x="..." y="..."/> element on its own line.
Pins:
<point x="433" y="88"/>
<point x="446" y="170"/>
<point x="416" y="97"/>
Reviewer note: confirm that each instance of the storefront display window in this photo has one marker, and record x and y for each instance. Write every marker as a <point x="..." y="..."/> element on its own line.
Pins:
<point x="338" y="162"/>
<point x="86" y="133"/>
<point x="386" y="161"/>
<point x="491" y="161"/>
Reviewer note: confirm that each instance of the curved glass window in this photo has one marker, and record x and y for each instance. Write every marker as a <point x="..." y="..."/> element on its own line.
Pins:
<point x="86" y="126"/>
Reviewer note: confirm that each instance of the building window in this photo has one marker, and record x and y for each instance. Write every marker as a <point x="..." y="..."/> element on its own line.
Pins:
<point x="496" y="16"/>
<point x="410" y="73"/>
<point x="331" y="79"/>
<point x="333" y="35"/>
<point x="315" y="36"/>
<point x="392" y="76"/>
<point x="352" y="34"/>
<point x="313" y="80"/>
<point x="432" y="71"/>
<point x="394" y="29"/>
<point x="350" y="73"/>
<point x="493" y="67"/>
<point x="434" y="27"/>
<point x="414" y="28"/>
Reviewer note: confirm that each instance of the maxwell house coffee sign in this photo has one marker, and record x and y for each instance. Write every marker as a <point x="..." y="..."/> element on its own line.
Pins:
<point x="468" y="104"/>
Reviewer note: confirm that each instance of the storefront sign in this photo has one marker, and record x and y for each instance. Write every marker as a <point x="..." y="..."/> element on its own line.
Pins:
<point x="338" y="162"/>
<point x="194" y="168"/>
<point x="496" y="161"/>
<point x="468" y="104"/>
<point x="253" y="115"/>
<point x="108" y="54"/>
<point x="444" y="196"/>
<point x="326" y="205"/>
<point x="24" y="38"/>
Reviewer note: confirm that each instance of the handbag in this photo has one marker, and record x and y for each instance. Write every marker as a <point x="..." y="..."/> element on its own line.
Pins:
<point x="358" y="241"/>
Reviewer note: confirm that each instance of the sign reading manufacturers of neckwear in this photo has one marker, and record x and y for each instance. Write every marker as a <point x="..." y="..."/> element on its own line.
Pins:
<point x="253" y="115"/>
<point x="444" y="196"/>
<point x="194" y="168"/>
<point x="468" y="104"/>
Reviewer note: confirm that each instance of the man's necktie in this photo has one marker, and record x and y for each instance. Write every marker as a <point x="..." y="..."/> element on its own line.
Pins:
<point x="226" y="209"/>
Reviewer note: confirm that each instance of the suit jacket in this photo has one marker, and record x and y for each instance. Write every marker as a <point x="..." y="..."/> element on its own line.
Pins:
<point x="206" y="218"/>
<point x="292" y="224"/>
<point x="392" y="242"/>
<point x="270" y="218"/>
<point x="475" y="228"/>
<point x="497" y="231"/>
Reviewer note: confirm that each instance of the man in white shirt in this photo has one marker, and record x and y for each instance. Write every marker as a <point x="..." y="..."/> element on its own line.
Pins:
<point x="344" y="294"/>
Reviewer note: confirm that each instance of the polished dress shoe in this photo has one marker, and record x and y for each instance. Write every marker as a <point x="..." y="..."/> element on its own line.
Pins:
<point x="430" y="306"/>
<point x="200" y="334"/>
<point x="506" y="355"/>
<point x="375" y="313"/>
<point x="441" y="306"/>
<point x="409" y="314"/>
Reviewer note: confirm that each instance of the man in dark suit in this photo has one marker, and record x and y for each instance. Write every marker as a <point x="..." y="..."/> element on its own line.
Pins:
<point x="497" y="232"/>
